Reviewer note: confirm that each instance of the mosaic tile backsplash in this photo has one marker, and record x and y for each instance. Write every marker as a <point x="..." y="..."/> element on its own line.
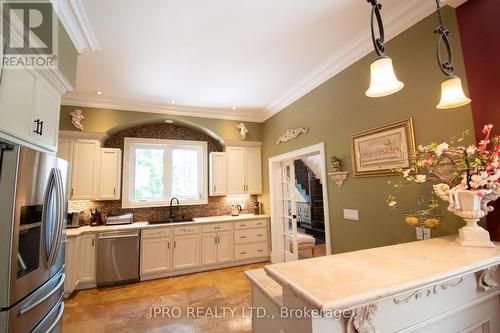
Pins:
<point x="215" y="206"/>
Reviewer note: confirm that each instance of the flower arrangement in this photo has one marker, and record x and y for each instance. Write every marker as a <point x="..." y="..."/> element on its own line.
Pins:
<point x="474" y="168"/>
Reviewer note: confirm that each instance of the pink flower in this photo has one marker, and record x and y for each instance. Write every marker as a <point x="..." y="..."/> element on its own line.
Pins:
<point x="487" y="129"/>
<point x="427" y="163"/>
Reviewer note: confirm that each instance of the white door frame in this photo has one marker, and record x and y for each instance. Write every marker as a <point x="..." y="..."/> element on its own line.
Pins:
<point x="277" y="231"/>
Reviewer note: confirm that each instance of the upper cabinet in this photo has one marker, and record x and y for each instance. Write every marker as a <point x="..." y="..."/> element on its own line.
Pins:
<point x="95" y="172"/>
<point x="218" y="174"/>
<point x="29" y="108"/>
<point x="109" y="169"/>
<point x="242" y="167"/>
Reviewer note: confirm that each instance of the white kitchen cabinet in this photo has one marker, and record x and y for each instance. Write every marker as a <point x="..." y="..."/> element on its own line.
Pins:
<point x="224" y="246"/>
<point x="209" y="248"/>
<point x="70" y="270"/>
<point x="46" y="111"/>
<point x="187" y="251"/>
<point x="236" y="170"/>
<point x="83" y="176"/>
<point x="85" y="256"/>
<point x="253" y="170"/>
<point x="29" y="107"/>
<point x="108" y="169"/>
<point x="218" y="174"/>
<point x="17" y="98"/>
<point x="244" y="170"/>
<point x="155" y="255"/>
<point x="65" y="152"/>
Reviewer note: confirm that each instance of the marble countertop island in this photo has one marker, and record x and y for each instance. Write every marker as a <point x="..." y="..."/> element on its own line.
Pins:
<point x="354" y="279"/>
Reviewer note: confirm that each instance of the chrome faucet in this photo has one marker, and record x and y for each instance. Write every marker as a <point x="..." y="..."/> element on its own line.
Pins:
<point x="172" y="215"/>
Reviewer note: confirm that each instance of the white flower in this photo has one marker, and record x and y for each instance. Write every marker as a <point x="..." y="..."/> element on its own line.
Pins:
<point x="421" y="148"/>
<point x="440" y="149"/>
<point x="471" y="150"/>
<point x="406" y="173"/>
<point x="420" y="179"/>
<point x="480" y="180"/>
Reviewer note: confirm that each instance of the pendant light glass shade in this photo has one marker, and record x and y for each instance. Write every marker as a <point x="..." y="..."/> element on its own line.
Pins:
<point x="383" y="79"/>
<point x="452" y="93"/>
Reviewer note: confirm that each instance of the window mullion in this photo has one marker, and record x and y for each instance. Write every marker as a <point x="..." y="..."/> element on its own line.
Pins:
<point x="167" y="172"/>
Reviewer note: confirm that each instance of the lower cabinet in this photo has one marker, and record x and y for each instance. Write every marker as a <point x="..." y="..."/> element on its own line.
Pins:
<point x="80" y="263"/>
<point x="155" y="252"/>
<point x="186" y="251"/>
<point x="217" y="247"/>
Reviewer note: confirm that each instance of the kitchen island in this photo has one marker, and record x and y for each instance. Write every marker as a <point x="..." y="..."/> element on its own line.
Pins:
<point x="426" y="286"/>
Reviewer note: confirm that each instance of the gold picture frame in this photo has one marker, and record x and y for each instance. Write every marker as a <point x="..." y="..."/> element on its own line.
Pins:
<point x="380" y="151"/>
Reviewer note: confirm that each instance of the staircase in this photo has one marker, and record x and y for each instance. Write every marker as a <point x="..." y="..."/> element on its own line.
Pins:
<point x="307" y="182"/>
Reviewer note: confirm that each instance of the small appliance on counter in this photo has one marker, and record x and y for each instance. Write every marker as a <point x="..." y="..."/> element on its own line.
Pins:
<point x="236" y="210"/>
<point x="95" y="218"/>
<point x="257" y="208"/>
<point x="127" y="218"/>
<point x="73" y="220"/>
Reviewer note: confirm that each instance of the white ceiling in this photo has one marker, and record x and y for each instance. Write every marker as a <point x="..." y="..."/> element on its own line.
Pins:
<point x="209" y="56"/>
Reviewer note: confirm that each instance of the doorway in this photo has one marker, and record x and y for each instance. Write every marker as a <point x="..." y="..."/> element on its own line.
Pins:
<point x="300" y="227"/>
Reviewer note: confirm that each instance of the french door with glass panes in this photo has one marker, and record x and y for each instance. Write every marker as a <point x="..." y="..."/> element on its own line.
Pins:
<point x="289" y="211"/>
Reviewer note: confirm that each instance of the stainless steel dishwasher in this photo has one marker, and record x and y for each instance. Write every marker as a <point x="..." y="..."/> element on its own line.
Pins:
<point x="117" y="257"/>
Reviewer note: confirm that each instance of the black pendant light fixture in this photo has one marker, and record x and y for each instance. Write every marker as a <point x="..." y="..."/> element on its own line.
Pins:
<point x="383" y="79"/>
<point x="452" y="93"/>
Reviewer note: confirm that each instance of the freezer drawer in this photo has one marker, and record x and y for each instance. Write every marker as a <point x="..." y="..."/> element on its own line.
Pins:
<point x="117" y="257"/>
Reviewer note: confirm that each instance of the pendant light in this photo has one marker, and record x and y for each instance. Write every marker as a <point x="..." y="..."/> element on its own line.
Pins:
<point x="452" y="92"/>
<point x="383" y="79"/>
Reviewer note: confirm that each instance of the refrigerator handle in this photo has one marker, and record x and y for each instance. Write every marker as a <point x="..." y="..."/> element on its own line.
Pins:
<point x="27" y="309"/>
<point x="58" y="183"/>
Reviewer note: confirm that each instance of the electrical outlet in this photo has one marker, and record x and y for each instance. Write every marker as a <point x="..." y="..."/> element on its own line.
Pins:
<point x="351" y="214"/>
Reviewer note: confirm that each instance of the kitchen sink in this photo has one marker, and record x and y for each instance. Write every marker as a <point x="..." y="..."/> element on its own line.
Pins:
<point x="168" y="221"/>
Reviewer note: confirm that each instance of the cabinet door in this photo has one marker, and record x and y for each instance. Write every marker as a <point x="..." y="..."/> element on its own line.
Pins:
<point x="224" y="246"/>
<point x="236" y="170"/>
<point x="86" y="257"/>
<point x="109" y="171"/>
<point x="83" y="169"/>
<point x="253" y="167"/>
<point x="208" y="248"/>
<point x="71" y="265"/>
<point x="65" y="152"/>
<point x="218" y="174"/>
<point x="17" y="92"/>
<point x="155" y="255"/>
<point x="47" y="110"/>
<point x="186" y="251"/>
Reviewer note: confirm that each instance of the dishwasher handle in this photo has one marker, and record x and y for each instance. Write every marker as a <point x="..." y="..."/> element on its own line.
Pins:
<point x="117" y="236"/>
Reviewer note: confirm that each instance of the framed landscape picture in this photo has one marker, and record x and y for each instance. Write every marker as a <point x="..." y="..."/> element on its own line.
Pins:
<point x="379" y="151"/>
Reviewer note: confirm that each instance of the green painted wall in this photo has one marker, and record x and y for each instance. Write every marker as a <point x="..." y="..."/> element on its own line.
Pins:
<point x="104" y="120"/>
<point x="67" y="55"/>
<point x="339" y="107"/>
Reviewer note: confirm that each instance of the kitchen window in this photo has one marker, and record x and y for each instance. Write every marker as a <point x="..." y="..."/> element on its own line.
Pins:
<point x="156" y="171"/>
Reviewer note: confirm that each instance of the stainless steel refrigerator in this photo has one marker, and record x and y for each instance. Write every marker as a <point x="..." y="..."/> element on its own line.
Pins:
<point x="32" y="219"/>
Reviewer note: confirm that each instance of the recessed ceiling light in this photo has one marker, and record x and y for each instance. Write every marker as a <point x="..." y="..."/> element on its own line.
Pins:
<point x="172" y="101"/>
<point x="233" y="108"/>
<point x="169" y="121"/>
<point x="99" y="92"/>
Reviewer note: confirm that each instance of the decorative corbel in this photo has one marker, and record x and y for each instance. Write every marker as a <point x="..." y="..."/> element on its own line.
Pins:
<point x="361" y="320"/>
<point x="339" y="177"/>
<point x="487" y="280"/>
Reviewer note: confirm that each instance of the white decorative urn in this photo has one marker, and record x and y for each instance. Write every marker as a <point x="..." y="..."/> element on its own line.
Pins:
<point x="471" y="206"/>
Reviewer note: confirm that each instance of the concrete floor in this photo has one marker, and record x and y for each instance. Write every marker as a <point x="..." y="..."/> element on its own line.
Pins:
<point x="131" y="308"/>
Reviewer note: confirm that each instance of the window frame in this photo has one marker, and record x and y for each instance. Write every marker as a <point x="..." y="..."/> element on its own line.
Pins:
<point x="130" y="144"/>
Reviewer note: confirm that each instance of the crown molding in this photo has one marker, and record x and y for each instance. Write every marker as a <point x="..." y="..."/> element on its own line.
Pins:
<point x="77" y="25"/>
<point x="85" y="100"/>
<point x="405" y="15"/>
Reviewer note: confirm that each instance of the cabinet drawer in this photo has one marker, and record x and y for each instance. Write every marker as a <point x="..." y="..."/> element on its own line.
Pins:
<point x="248" y="251"/>
<point x="217" y="227"/>
<point x="250" y="235"/>
<point x="250" y="224"/>
<point x="155" y="233"/>
<point x="186" y="230"/>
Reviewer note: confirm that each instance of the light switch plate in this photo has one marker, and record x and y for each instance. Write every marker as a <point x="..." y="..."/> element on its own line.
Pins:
<point x="351" y="214"/>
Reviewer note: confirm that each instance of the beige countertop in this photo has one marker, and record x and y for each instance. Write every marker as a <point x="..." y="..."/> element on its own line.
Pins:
<point x="270" y="287"/>
<point x="354" y="279"/>
<point x="73" y="232"/>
